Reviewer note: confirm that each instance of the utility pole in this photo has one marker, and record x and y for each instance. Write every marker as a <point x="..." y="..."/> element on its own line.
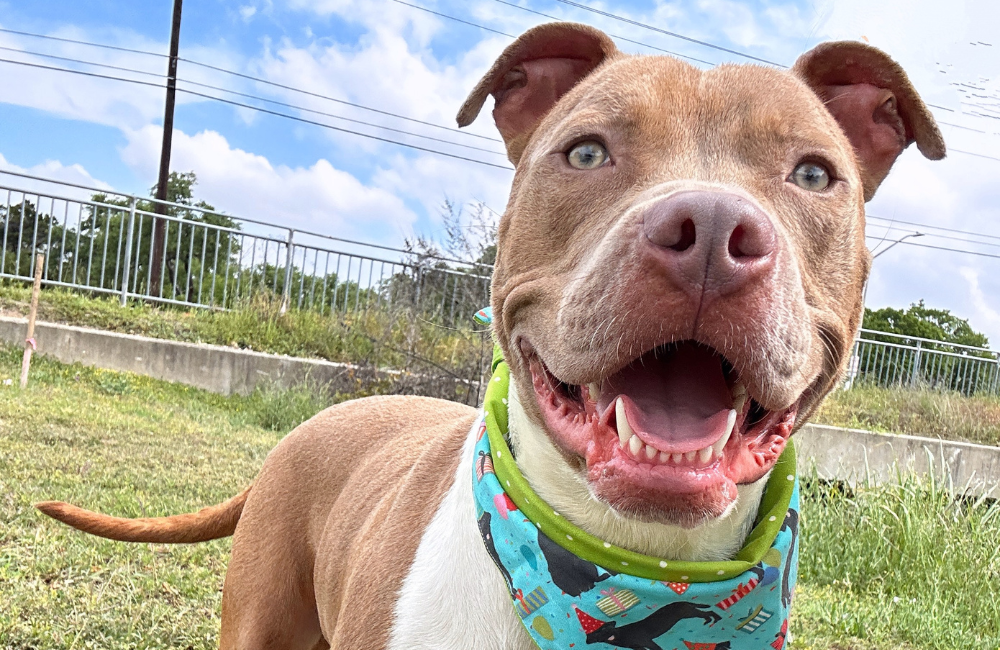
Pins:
<point x="159" y="225"/>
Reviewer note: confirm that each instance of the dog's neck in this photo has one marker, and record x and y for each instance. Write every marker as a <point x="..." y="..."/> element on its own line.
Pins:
<point x="566" y="490"/>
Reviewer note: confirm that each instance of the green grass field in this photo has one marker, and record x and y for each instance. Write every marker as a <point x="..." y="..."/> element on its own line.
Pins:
<point x="403" y="343"/>
<point x="882" y="568"/>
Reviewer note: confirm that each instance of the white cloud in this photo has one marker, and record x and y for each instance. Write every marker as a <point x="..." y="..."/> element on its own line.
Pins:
<point x="985" y="312"/>
<point x="247" y="12"/>
<point x="319" y="198"/>
<point x="55" y="170"/>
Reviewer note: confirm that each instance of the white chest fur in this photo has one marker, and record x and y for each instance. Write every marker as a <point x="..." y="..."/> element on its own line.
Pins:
<point x="453" y="597"/>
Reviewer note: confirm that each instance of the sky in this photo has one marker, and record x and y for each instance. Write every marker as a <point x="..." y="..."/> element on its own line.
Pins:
<point x="401" y="58"/>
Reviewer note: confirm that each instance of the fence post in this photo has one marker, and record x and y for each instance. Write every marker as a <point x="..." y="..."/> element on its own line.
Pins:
<point x="996" y="376"/>
<point x="128" y="250"/>
<point x="286" y="290"/>
<point x="915" y="374"/>
<point x="852" y="364"/>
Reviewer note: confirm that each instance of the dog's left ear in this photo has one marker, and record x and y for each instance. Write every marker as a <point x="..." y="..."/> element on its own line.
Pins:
<point x="875" y="104"/>
<point x="541" y="66"/>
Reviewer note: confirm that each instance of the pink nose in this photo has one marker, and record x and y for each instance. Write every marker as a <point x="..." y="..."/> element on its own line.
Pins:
<point x="710" y="242"/>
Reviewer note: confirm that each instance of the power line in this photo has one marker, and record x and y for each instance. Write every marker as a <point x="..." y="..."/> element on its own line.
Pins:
<point x="259" y="109"/>
<point x="255" y="97"/>
<point x="410" y="119"/>
<point x="891" y="228"/>
<point x="82" y="61"/>
<point x="943" y="248"/>
<point x="615" y="36"/>
<point x="76" y="42"/>
<point x="341" y="117"/>
<point x="457" y="20"/>
<point x="636" y="23"/>
<point x="338" y="101"/>
<point x="925" y="226"/>
<point x="249" y="78"/>
<point x="977" y="155"/>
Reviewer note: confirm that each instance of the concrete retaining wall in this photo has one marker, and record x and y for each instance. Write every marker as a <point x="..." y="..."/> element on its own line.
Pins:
<point x="843" y="454"/>
<point x="221" y="369"/>
<point x="853" y="455"/>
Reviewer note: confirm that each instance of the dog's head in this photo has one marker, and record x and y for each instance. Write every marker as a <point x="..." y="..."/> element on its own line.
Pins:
<point x="682" y="258"/>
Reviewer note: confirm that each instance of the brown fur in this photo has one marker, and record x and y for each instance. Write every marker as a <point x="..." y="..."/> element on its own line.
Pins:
<point x="331" y="525"/>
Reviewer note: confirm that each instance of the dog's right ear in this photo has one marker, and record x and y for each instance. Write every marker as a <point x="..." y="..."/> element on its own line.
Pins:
<point x="532" y="74"/>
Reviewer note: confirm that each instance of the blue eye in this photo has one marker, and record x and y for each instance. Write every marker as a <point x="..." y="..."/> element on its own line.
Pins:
<point x="811" y="176"/>
<point x="587" y="155"/>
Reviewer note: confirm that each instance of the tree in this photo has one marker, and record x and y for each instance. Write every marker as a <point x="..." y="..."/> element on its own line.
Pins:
<point x="443" y="290"/>
<point x="191" y="250"/>
<point x="936" y="365"/>
<point x="921" y="321"/>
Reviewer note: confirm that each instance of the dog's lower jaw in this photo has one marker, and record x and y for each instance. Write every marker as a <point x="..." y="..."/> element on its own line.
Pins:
<point x="568" y="491"/>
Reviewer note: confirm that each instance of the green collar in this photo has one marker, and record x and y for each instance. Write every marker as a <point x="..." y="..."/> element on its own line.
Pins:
<point x="770" y="516"/>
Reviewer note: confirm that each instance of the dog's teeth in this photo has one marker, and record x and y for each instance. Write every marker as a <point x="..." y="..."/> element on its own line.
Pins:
<point x="689" y="457"/>
<point x="595" y="391"/>
<point x="721" y="442"/>
<point x="676" y="458"/>
<point x="664" y="456"/>
<point x="634" y="445"/>
<point x="651" y="452"/>
<point x="705" y="455"/>
<point x="624" y="430"/>
<point x="739" y="397"/>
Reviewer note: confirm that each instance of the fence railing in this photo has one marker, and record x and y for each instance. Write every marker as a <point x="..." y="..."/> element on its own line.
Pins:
<point x="886" y="359"/>
<point x="208" y="259"/>
<point x="105" y="243"/>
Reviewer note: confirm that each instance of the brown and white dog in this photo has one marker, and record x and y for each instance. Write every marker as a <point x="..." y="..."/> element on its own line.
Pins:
<point x="678" y="244"/>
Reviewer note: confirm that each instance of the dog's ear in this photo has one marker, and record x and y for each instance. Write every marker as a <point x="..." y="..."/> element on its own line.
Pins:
<point x="532" y="74"/>
<point x="876" y="105"/>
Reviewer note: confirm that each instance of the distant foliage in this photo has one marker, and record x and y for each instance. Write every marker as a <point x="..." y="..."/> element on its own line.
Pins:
<point x="922" y="321"/>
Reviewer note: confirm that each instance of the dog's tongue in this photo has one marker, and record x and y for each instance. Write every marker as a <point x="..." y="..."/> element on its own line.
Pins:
<point x="678" y="397"/>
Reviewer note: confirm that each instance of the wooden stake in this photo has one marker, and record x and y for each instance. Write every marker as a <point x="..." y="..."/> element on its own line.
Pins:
<point x="29" y="343"/>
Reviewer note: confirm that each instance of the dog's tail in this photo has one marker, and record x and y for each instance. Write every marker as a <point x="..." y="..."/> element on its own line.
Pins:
<point x="208" y="523"/>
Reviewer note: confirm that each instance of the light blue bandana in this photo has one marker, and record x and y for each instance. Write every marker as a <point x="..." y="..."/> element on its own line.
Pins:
<point x="572" y="590"/>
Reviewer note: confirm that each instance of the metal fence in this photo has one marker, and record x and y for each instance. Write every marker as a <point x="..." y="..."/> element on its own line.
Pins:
<point x="104" y="244"/>
<point x="884" y="359"/>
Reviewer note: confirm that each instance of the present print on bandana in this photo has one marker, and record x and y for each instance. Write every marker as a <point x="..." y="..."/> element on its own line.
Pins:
<point x="616" y="602"/>
<point x="559" y="575"/>
<point x="527" y="605"/>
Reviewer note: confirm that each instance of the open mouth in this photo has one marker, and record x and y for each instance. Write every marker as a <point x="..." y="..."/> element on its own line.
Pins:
<point x="670" y="435"/>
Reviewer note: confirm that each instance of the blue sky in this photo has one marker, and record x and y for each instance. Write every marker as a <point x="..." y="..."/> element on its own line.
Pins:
<point x="397" y="58"/>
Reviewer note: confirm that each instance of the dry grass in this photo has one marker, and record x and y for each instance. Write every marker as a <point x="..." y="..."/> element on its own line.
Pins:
<point x="916" y="412"/>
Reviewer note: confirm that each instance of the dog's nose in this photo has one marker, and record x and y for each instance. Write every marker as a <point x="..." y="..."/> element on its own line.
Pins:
<point x="710" y="241"/>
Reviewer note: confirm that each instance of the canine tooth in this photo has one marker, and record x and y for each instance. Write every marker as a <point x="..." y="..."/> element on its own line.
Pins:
<point x="690" y="456"/>
<point x="664" y="456"/>
<point x="676" y="458"/>
<point x="651" y="452"/>
<point x="624" y="430"/>
<point x="739" y="396"/>
<point x="595" y="391"/>
<point x="705" y="455"/>
<point x="721" y="442"/>
<point x="634" y="445"/>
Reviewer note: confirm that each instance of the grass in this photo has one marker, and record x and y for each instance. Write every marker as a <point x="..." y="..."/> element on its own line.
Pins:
<point x="397" y="340"/>
<point x="403" y="342"/>
<point x="916" y="412"/>
<point x="124" y="444"/>
<point x="897" y="566"/>
<point x="882" y="568"/>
